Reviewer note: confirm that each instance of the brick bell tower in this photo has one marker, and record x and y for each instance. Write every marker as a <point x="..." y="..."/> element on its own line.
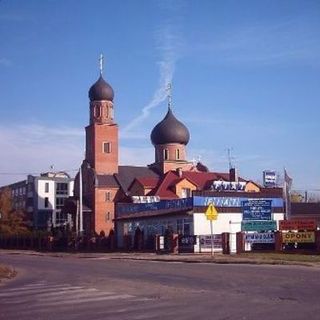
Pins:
<point x="102" y="132"/>
<point x="101" y="158"/>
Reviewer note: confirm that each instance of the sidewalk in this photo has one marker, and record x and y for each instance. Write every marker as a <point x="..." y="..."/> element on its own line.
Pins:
<point x="246" y="258"/>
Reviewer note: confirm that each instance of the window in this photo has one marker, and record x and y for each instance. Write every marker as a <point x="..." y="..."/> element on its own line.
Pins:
<point x="61" y="218"/>
<point x="97" y="111"/>
<point x="184" y="226"/>
<point x="108" y="196"/>
<point x="180" y="226"/>
<point x="107" y="147"/>
<point x="177" y="154"/>
<point x="108" y="216"/>
<point x="46" y="187"/>
<point x="185" y="193"/>
<point x="166" y="154"/>
<point x="59" y="203"/>
<point x="62" y="188"/>
<point x="46" y="202"/>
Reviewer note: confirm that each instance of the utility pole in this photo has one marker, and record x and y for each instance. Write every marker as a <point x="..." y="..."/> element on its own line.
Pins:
<point x="80" y="203"/>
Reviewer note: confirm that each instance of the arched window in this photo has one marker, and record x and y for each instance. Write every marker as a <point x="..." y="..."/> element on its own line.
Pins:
<point x="97" y="111"/>
<point x="177" y="154"/>
<point x="166" y="154"/>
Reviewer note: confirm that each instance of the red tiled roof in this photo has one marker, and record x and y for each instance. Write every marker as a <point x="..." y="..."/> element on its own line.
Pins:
<point x="199" y="179"/>
<point x="163" y="190"/>
<point x="150" y="182"/>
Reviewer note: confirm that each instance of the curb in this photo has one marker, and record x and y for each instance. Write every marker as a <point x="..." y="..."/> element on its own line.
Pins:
<point x="167" y="259"/>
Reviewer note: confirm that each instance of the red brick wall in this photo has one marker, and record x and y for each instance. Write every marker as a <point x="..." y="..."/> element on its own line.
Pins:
<point x="101" y="209"/>
<point x="103" y="163"/>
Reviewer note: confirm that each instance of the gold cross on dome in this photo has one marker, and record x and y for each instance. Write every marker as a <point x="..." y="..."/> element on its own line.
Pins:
<point x="101" y="61"/>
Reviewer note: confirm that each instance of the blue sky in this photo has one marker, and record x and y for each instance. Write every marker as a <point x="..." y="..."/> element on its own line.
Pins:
<point x="245" y="76"/>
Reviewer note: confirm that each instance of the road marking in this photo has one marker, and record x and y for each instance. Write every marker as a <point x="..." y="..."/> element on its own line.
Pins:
<point x="85" y="299"/>
<point x="51" y="295"/>
<point x="57" y="286"/>
<point x="17" y="293"/>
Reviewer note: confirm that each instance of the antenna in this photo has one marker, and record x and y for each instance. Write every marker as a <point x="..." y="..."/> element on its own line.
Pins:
<point x="101" y="62"/>
<point x="169" y="94"/>
<point x="230" y="158"/>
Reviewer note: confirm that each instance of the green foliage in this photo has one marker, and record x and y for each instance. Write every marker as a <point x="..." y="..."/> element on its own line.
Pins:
<point x="11" y="221"/>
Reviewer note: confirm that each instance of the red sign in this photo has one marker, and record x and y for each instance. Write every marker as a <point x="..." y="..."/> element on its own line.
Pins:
<point x="298" y="224"/>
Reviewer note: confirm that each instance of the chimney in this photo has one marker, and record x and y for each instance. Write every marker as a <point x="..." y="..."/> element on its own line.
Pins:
<point x="179" y="172"/>
<point x="233" y="176"/>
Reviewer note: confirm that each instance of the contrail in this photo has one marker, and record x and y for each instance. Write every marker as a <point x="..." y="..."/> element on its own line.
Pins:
<point x="168" y="46"/>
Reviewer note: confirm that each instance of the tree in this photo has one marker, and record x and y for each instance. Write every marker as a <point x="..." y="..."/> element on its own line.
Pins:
<point x="11" y="220"/>
<point x="296" y="196"/>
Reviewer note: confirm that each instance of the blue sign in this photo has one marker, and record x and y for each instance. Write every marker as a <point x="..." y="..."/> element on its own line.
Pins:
<point x="256" y="209"/>
<point x="256" y="237"/>
<point x="172" y="205"/>
<point x="199" y="201"/>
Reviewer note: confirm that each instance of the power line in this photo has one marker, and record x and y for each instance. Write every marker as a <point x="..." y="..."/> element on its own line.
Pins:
<point x="32" y="173"/>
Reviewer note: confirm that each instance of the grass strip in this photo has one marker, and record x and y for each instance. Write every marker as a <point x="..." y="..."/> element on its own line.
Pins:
<point x="6" y="272"/>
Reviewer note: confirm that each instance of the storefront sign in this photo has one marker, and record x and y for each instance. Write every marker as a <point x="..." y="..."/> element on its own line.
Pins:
<point x="299" y="237"/>
<point x="257" y="225"/>
<point x="267" y="237"/>
<point x="298" y="224"/>
<point x="228" y="186"/>
<point x="205" y="241"/>
<point x="256" y="209"/>
<point x="200" y="201"/>
<point x="170" y="205"/>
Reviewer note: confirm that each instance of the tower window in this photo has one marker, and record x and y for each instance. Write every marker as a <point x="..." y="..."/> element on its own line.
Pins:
<point x="108" y="216"/>
<point x="177" y="154"/>
<point x="46" y="202"/>
<point x="107" y="147"/>
<point x="108" y="196"/>
<point x="166" y="154"/>
<point x="97" y="111"/>
<point x="46" y="187"/>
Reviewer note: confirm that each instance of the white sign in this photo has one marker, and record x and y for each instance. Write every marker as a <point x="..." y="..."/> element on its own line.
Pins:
<point x="269" y="178"/>
<point x="145" y="199"/>
<point x="260" y="237"/>
<point x="228" y="186"/>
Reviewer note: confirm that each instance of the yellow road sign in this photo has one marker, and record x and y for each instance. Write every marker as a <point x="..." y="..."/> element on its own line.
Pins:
<point x="211" y="212"/>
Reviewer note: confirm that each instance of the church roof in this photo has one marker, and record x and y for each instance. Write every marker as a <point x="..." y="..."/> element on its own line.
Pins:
<point x="170" y="130"/>
<point x="101" y="90"/>
<point x="106" y="180"/>
<point x="127" y="174"/>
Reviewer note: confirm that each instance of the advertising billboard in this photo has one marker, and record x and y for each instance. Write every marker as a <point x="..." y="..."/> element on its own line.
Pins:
<point x="298" y="224"/>
<point x="257" y="225"/>
<point x="256" y="209"/>
<point x="269" y="179"/>
<point x="298" y="237"/>
<point x="256" y="237"/>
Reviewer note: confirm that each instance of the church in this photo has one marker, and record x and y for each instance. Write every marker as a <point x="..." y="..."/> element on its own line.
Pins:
<point x="170" y="192"/>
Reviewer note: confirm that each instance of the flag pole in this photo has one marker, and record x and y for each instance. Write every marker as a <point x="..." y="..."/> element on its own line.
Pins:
<point x="211" y="228"/>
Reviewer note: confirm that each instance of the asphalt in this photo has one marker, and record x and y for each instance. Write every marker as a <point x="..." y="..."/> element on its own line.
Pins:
<point x="217" y="258"/>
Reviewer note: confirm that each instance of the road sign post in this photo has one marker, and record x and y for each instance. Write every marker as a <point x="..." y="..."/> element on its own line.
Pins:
<point x="211" y="214"/>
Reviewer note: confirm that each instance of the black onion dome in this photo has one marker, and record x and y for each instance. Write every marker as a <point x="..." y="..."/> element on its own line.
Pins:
<point x="170" y="130"/>
<point x="101" y="90"/>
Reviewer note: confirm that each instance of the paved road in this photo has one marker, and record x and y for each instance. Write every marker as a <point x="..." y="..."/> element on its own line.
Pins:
<point x="74" y="288"/>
